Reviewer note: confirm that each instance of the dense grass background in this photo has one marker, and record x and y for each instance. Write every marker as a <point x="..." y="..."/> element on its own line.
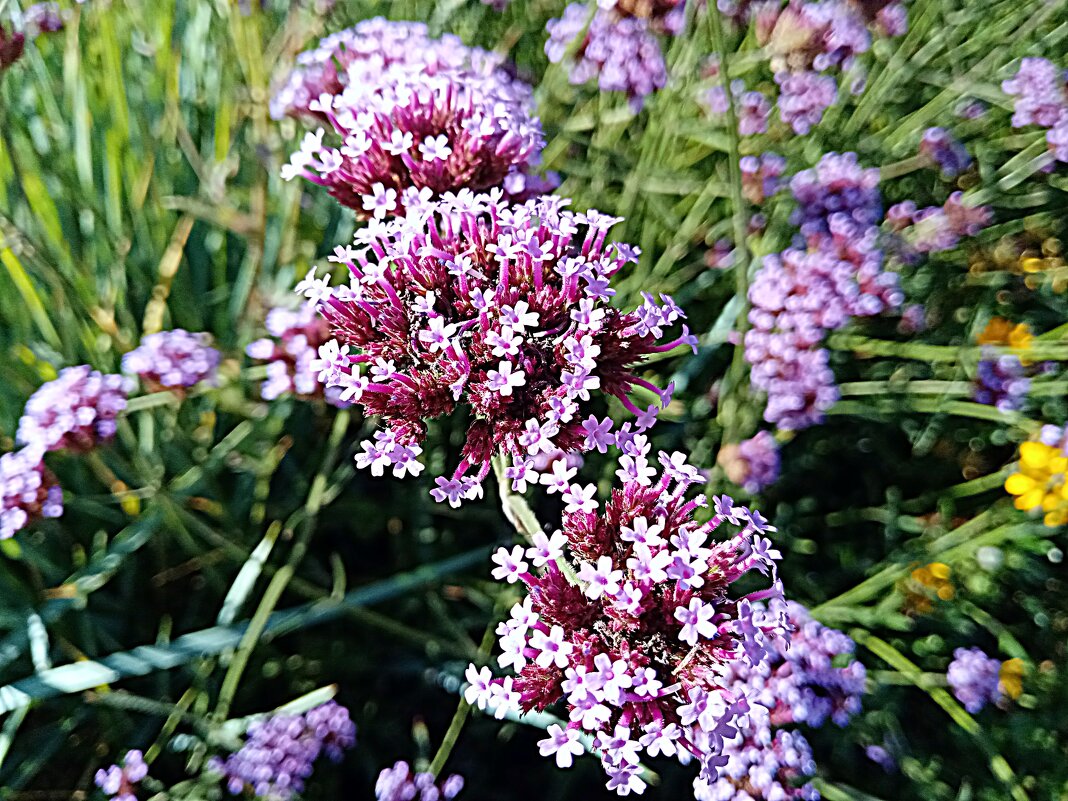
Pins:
<point x="139" y="191"/>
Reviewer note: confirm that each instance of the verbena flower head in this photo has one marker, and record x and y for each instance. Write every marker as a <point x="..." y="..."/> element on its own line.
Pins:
<point x="290" y="353"/>
<point x="763" y="765"/>
<point x="119" y="782"/>
<point x="803" y="97"/>
<point x="76" y="411"/>
<point x="1039" y="483"/>
<point x="407" y="132"/>
<point x="1040" y="97"/>
<point x="620" y="46"/>
<point x="399" y="783"/>
<point x="280" y="751"/>
<point x="752" y="464"/>
<point x="637" y="649"/>
<point x="974" y="678"/>
<point x="1001" y="381"/>
<point x="760" y="176"/>
<point x="810" y="677"/>
<point x="28" y="490"/>
<point x="502" y="309"/>
<point x="43" y="18"/>
<point x="936" y="228"/>
<point x="173" y="360"/>
<point x="945" y="151"/>
<point x="361" y="53"/>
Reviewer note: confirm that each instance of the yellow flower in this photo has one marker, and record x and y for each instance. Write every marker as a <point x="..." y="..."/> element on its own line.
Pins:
<point x="1000" y="331"/>
<point x="1040" y="483"/>
<point x="933" y="579"/>
<point x="1010" y="677"/>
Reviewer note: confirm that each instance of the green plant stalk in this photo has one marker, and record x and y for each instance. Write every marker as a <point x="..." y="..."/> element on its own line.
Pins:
<point x="281" y="579"/>
<point x="736" y="390"/>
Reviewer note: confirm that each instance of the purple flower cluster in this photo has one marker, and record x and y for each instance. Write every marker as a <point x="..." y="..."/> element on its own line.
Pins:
<point x="173" y="360"/>
<point x="406" y="134"/>
<point x="805" y="680"/>
<point x="76" y="411"/>
<point x="945" y="151"/>
<point x="935" y="228"/>
<point x="752" y="464"/>
<point x="400" y="784"/>
<point x="1041" y="98"/>
<point x="620" y="48"/>
<point x="281" y="750"/>
<point x="753" y="108"/>
<point x="290" y="351"/>
<point x="762" y="766"/>
<point x="1001" y="381"/>
<point x="360" y="55"/>
<point x="43" y="18"/>
<point x="974" y="678"/>
<point x="760" y="176"/>
<point x="27" y="490"/>
<point x="502" y="308"/>
<point x="635" y="647"/>
<point x="803" y="97"/>
<point x="800" y="294"/>
<point x="118" y="782"/>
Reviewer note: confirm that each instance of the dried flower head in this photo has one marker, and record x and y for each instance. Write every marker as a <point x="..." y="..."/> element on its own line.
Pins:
<point x="500" y="308"/>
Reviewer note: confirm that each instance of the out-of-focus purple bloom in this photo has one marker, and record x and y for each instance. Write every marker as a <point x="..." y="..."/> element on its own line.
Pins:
<point x="1039" y="91"/>
<point x="621" y="50"/>
<point x="762" y="766"/>
<point x="76" y="411"/>
<point x="881" y="757"/>
<point x="836" y="185"/>
<point x="803" y="97"/>
<point x="43" y="18"/>
<point x="936" y="228"/>
<point x="753" y="463"/>
<point x="1057" y="139"/>
<point x="173" y="359"/>
<point x="946" y="151"/>
<point x="28" y="490"/>
<point x="974" y="678"/>
<point x="290" y="353"/>
<point x="399" y="783"/>
<point x="1001" y="381"/>
<point x="760" y="176"/>
<point x="11" y="47"/>
<point x="280" y="751"/>
<point x="119" y="782"/>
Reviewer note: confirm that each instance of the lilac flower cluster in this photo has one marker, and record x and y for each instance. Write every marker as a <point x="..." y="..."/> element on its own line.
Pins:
<point x="281" y="750"/>
<point x="635" y="647"/>
<point x="27" y="490"/>
<point x="803" y="97"/>
<point x="974" y="678"/>
<point x="399" y="783"/>
<point x="753" y="108"/>
<point x="945" y="151"/>
<point x="43" y="18"/>
<point x="173" y="360"/>
<point x="620" y="45"/>
<point x="504" y="308"/>
<point x="800" y="294"/>
<point x="760" y="176"/>
<point x="801" y="682"/>
<point x="406" y="134"/>
<point x="1001" y="381"/>
<point x="935" y="228"/>
<point x="118" y="782"/>
<point x="752" y="464"/>
<point x="762" y="766"/>
<point x="290" y="351"/>
<point x="360" y="54"/>
<point x="76" y="411"/>
<point x="1041" y="98"/>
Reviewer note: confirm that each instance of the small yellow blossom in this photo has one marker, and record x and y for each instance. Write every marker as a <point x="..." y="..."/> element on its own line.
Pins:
<point x="925" y="582"/>
<point x="1010" y="677"/>
<point x="1000" y="331"/>
<point x="1040" y="483"/>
